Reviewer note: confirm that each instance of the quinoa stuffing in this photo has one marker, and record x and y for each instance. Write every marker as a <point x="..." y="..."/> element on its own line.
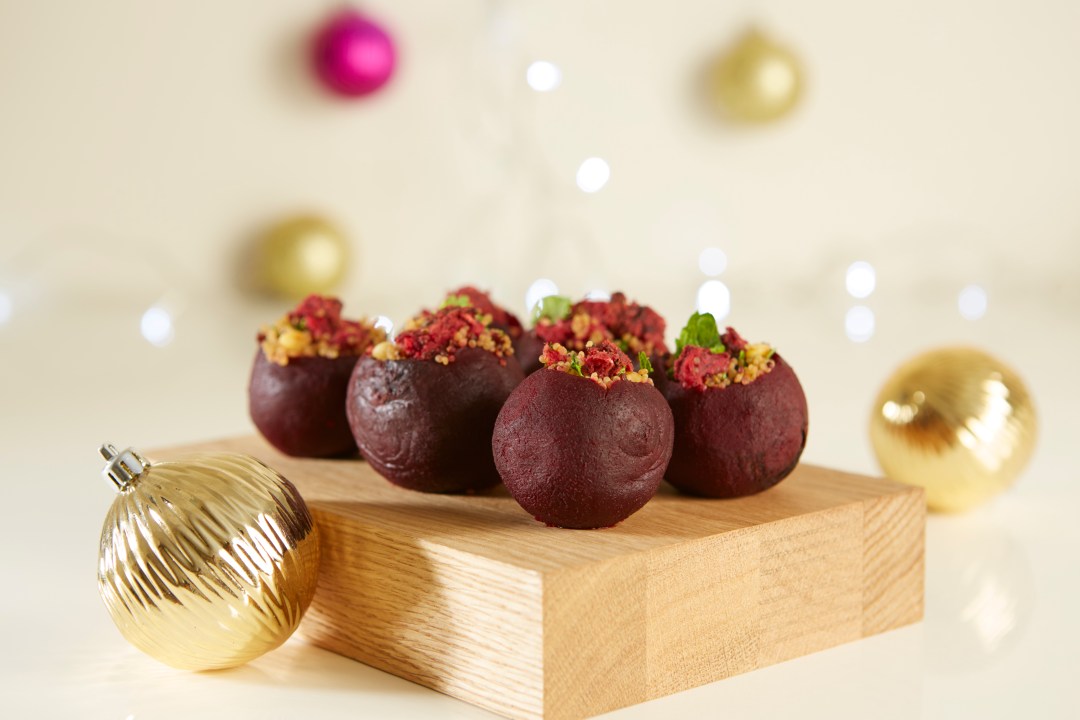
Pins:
<point x="603" y="363"/>
<point x="706" y="359"/>
<point x="439" y="335"/>
<point x="634" y="328"/>
<point x="499" y="317"/>
<point x="316" y="329"/>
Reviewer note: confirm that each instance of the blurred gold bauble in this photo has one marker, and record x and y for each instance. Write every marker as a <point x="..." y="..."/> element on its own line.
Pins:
<point x="757" y="81"/>
<point x="956" y="422"/>
<point x="206" y="562"/>
<point x="303" y="255"/>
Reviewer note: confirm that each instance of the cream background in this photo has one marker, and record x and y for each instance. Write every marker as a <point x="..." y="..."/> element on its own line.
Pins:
<point x="175" y="130"/>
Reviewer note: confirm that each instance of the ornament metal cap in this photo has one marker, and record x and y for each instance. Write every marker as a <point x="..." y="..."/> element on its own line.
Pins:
<point x="123" y="466"/>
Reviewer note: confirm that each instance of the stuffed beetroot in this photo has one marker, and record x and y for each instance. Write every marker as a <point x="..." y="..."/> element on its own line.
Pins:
<point x="634" y="328"/>
<point x="499" y="317"/>
<point x="584" y="442"/>
<point x="740" y="413"/>
<point x="296" y="394"/>
<point x="422" y="407"/>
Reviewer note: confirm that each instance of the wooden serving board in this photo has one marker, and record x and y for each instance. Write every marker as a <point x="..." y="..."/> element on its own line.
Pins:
<point x="470" y="596"/>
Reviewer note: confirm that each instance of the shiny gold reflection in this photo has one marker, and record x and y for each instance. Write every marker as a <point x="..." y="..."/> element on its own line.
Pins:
<point x="980" y="594"/>
<point x="957" y="422"/>
<point x="209" y="562"/>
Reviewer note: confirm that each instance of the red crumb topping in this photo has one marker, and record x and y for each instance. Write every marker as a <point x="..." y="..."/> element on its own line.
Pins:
<point x="733" y="340"/>
<point x="604" y="363"/>
<point x="695" y="364"/>
<point x="633" y="327"/>
<point x="738" y="362"/>
<point x="316" y="328"/>
<point x="500" y="316"/>
<point x="439" y="335"/>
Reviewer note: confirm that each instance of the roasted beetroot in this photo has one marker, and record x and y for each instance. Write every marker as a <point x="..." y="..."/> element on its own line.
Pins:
<point x="584" y="442"/>
<point x="296" y="395"/>
<point x="633" y="327"/>
<point x="501" y="318"/>
<point x="527" y="349"/>
<point x="300" y="407"/>
<point x="422" y="407"/>
<point x="525" y="344"/>
<point x="740" y="413"/>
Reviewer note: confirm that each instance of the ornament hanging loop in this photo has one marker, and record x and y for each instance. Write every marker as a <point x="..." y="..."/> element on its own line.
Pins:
<point x="124" y="467"/>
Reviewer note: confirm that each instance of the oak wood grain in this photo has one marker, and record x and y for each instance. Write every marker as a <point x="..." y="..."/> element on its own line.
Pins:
<point x="472" y="597"/>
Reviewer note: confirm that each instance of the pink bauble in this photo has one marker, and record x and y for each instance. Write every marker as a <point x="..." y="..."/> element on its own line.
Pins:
<point x="353" y="56"/>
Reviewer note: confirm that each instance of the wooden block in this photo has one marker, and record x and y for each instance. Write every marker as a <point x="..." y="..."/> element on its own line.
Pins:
<point x="470" y="596"/>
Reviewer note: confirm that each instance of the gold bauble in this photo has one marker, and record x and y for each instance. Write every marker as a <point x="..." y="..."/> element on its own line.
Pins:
<point x="206" y="562"/>
<point x="757" y="80"/>
<point x="303" y="255"/>
<point x="956" y="422"/>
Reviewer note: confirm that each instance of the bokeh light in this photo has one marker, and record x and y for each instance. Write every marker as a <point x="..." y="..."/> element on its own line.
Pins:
<point x="859" y="324"/>
<point x="6" y="308"/>
<point x="972" y="302"/>
<point x="714" y="297"/>
<point x="712" y="261"/>
<point x="593" y="174"/>
<point x="543" y="76"/>
<point x="539" y="290"/>
<point x="157" y="326"/>
<point x="861" y="279"/>
<point x="385" y="324"/>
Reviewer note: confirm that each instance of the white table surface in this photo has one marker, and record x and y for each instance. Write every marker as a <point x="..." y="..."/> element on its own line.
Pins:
<point x="1000" y="638"/>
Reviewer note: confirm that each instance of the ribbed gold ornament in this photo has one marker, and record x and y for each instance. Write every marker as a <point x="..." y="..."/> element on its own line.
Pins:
<point x="957" y="422"/>
<point x="206" y="562"/>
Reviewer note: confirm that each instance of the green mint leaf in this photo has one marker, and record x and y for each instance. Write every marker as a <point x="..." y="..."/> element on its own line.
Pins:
<point x="456" y="301"/>
<point x="643" y="362"/>
<point x="553" y="308"/>
<point x="700" y="331"/>
<point x="575" y="364"/>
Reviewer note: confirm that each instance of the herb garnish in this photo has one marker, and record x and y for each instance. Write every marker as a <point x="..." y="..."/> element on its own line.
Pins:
<point x="553" y="308"/>
<point x="701" y="331"/>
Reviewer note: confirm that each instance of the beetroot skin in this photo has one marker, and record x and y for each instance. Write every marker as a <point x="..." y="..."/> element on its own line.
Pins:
<point x="300" y="407"/>
<point x="427" y="426"/>
<point x="577" y="455"/>
<point x="527" y="349"/>
<point x="740" y="439"/>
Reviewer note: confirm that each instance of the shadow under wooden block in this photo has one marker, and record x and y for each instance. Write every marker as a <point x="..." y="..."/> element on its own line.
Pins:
<point x="470" y="596"/>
